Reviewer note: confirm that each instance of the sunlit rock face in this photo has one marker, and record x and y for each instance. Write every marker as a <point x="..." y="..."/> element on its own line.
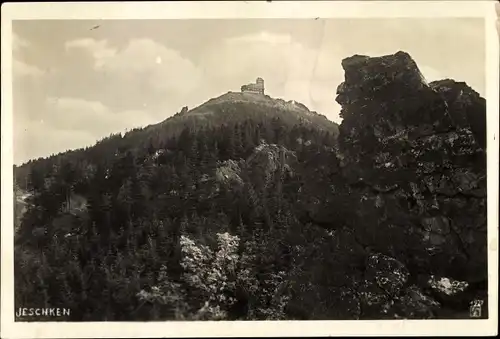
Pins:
<point x="270" y="158"/>
<point x="268" y="163"/>
<point x="414" y="155"/>
<point x="228" y="172"/>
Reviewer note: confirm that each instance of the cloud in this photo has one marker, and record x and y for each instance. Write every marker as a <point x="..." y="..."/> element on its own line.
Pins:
<point x="101" y="85"/>
<point x="143" y="62"/>
<point x="68" y="123"/>
<point x="93" y="116"/>
<point x="291" y="70"/>
<point x="98" y="49"/>
<point x="262" y="37"/>
<point x="298" y="62"/>
<point x="19" y="43"/>
<point x="261" y="54"/>
<point x="143" y="82"/>
<point x="38" y="139"/>
<point x="22" y="69"/>
<point x="152" y="70"/>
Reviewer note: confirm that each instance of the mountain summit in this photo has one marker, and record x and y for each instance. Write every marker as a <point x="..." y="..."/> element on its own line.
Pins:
<point x="233" y="107"/>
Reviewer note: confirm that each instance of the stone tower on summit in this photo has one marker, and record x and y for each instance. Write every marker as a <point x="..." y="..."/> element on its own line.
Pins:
<point x="257" y="87"/>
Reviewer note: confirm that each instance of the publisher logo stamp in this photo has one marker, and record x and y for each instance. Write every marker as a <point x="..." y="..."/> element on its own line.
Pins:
<point x="475" y="308"/>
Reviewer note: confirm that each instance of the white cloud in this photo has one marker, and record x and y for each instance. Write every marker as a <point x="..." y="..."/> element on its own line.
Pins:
<point x="93" y="116"/>
<point x="143" y="62"/>
<point x="98" y="49"/>
<point x="69" y="123"/>
<point x="22" y="69"/>
<point x="283" y="62"/>
<point x="39" y="139"/>
<point x="263" y="54"/>
<point x="173" y="73"/>
<point x="262" y="37"/>
<point x="18" y="42"/>
<point x="166" y="80"/>
<point x="291" y="70"/>
<point x="142" y="81"/>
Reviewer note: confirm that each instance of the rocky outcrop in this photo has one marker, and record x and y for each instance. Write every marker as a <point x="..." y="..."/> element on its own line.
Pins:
<point x="269" y="159"/>
<point x="411" y="155"/>
<point x="228" y="173"/>
<point x="386" y="292"/>
<point x="265" y="163"/>
<point x="466" y="107"/>
<point x="21" y="204"/>
<point x="184" y="110"/>
<point x="379" y="289"/>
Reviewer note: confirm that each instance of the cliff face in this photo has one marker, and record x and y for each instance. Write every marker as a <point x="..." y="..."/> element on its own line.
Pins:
<point x="410" y="153"/>
<point x="465" y="106"/>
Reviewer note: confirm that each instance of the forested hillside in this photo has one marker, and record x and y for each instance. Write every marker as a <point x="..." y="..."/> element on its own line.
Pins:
<point x="249" y="207"/>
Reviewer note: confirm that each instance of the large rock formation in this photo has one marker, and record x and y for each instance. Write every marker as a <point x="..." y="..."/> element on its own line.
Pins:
<point x="414" y="154"/>
<point x="228" y="172"/>
<point x="268" y="159"/>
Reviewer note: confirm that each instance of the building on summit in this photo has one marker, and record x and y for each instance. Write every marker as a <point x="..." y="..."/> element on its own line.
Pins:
<point x="257" y="87"/>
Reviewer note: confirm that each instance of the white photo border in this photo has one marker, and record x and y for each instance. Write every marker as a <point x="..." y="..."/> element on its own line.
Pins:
<point x="241" y="9"/>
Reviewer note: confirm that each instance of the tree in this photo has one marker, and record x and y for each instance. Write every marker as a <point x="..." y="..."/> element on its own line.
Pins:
<point x="68" y="176"/>
<point x="212" y="279"/>
<point x="36" y="180"/>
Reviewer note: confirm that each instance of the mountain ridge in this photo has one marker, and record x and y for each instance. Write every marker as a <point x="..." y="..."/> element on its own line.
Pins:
<point x="218" y="106"/>
<point x="227" y="108"/>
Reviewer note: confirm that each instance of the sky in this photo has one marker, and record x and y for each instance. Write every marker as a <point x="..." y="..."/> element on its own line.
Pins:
<point x="77" y="81"/>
